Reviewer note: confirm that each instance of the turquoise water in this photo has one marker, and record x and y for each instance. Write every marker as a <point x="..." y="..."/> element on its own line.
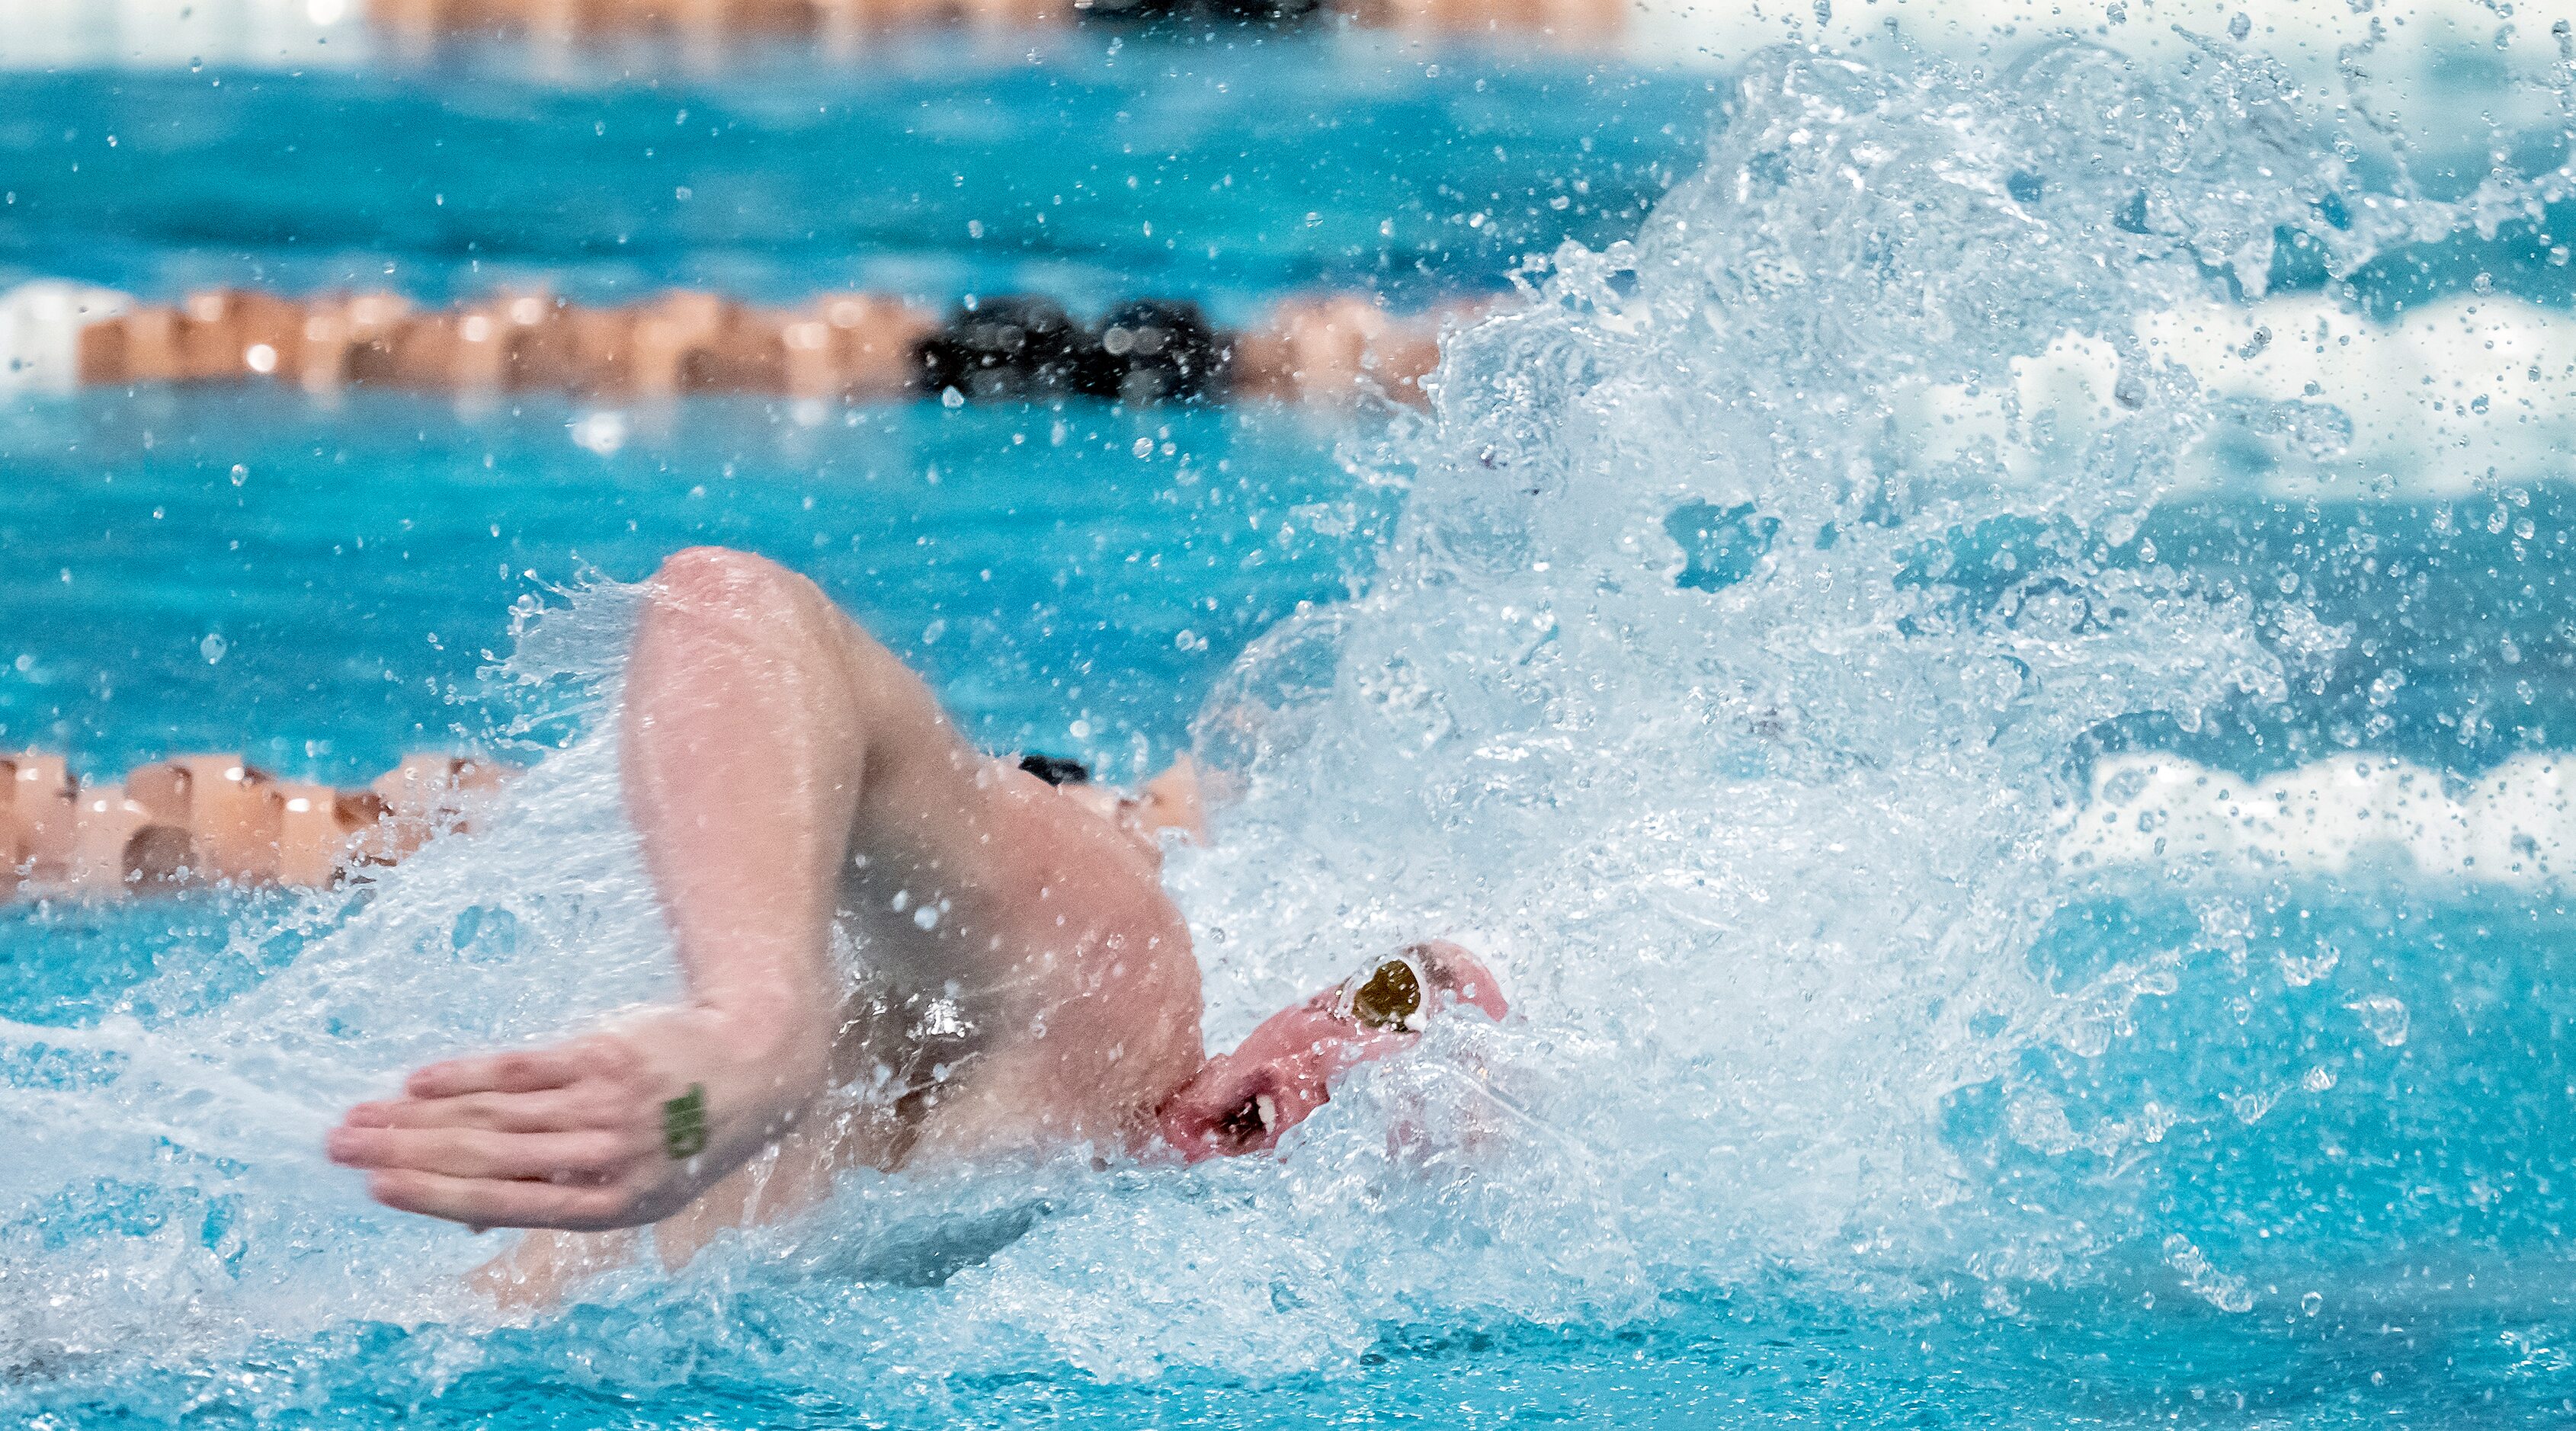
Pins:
<point x="1258" y="164"/>
<point x="1033" y="561"/>
<point x="1835" y="1100"/>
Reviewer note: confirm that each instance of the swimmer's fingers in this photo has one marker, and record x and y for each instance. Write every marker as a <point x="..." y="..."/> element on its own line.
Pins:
<point x="525" y="1071"/>
<point x="593" y="1156"/>
<point x="550" y="1110"/>
<point x="486" y="1202"/>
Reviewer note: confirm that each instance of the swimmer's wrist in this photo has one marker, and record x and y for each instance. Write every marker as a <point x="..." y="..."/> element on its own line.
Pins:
<point x="741" y="1078"/>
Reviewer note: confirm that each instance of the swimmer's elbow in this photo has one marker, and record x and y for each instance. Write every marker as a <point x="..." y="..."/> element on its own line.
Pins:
<point x="723" y="587"/>
<point x="702" y="574"/>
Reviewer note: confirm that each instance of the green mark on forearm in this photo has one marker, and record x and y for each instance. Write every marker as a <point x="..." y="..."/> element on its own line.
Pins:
<point x="684" y="1123"/>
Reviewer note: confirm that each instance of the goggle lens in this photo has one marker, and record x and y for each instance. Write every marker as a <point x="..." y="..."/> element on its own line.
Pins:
<point x="1389" y="998"/>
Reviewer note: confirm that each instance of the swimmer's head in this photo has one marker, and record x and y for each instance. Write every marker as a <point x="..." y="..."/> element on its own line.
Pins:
<point x="1169" y="801"/>
<point x="1244" y="1101"/>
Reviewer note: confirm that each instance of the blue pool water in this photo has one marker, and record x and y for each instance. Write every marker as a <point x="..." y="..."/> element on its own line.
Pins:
<point x="1034" y="561"/>
<point x="1677" y="659"/>
<point x="1221" y="172"/>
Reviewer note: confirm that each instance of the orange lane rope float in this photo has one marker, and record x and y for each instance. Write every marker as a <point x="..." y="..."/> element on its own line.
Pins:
<point x="846" y="347"/>
<point x="200" y="820"/>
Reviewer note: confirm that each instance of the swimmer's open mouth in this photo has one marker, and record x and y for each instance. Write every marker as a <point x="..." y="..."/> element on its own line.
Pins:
<point x="1249" y="1126"/>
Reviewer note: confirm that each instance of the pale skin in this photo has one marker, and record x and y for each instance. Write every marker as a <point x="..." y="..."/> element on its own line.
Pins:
<point x="789" y="777"/>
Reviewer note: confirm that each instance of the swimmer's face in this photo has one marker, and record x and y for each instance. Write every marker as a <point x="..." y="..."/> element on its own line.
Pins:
<point x="1244" y="1101"/>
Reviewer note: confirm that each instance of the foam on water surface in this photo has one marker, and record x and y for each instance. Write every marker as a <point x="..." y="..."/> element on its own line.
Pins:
<point x="1735" y="723"/>
<point x="2514" y="825"/>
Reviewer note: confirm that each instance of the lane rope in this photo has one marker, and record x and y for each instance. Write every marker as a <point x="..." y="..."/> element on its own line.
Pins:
<point x="200" y="820"/>
<point x="851" y="347"/>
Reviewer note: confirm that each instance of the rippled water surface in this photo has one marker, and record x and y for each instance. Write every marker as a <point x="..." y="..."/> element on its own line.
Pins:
<point x="1727" y="654"/>
<point x="1224" y="171"/>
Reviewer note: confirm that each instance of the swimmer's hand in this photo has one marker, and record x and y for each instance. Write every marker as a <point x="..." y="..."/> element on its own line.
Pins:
<point x="614" y="1129"/>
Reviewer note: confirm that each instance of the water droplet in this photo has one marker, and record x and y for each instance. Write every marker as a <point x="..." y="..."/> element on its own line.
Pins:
<point x="2384" y="1017"/>
<point x="2298" y="972"/>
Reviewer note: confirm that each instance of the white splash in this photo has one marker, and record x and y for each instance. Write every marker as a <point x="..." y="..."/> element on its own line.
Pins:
<point x="2513" y="826"/>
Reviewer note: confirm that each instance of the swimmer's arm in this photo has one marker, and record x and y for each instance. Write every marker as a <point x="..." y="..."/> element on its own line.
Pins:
<point x="761" y="729"/>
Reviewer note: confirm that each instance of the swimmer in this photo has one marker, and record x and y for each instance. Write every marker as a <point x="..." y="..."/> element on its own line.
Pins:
<point x="897" y="950"/>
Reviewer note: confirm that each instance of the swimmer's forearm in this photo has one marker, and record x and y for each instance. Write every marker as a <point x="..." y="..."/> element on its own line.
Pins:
<point x="763" y="735"/>
<point x="743" y="757"/>
<point x="741" y="766"/>
<point x="766" y="734"/>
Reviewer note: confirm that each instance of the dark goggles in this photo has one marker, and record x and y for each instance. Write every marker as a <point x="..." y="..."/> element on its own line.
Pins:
<point x="1389" y="997"/>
